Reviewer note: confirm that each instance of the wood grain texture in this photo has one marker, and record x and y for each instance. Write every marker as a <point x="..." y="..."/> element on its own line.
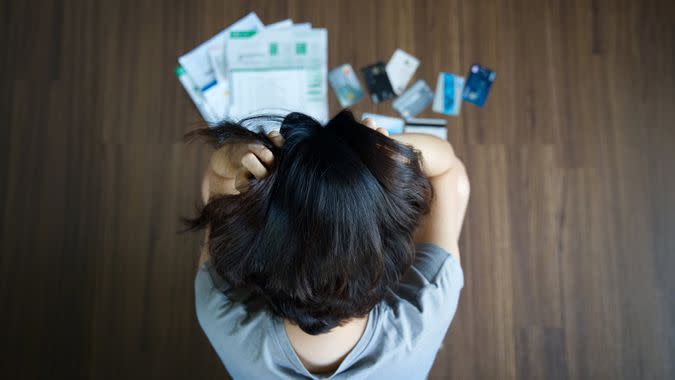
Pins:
<point x="568" y="247"/>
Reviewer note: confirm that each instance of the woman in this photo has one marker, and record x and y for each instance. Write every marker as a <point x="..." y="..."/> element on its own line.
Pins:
<point x="331" y="251"/>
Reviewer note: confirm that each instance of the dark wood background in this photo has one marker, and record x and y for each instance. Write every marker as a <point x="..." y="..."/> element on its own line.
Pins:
<point x="569" y="241"/>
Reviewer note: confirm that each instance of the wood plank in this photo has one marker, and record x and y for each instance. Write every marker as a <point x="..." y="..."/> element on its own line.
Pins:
<point x="568" y="248"/>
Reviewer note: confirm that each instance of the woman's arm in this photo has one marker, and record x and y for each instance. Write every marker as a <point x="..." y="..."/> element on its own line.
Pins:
<point x="438" y="156"/>
<point x="443" y="225"/>
<point x="230" y="168"/>
<point x="232" y="165"/>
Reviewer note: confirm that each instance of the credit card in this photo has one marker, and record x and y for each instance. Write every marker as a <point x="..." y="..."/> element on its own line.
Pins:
<point x="436" y="127"/>
<point x="346" y="85"/>
<point x="478" y="85"/>
<point x="377" y="82"/>
<point x="393" y="125"/>
<point x="440" y="132"/>
<point x="414" y="100"/>
<point x="425" y="122"/>
<point x="400" y="68"/>
<point x="448" y="98"/>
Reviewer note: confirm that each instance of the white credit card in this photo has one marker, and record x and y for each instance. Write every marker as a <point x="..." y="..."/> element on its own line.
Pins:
<point x="414" y="100"/>
<point x="425" y="122"/>
<point x="400" y="69"/>
<point x="393" y="125"/>
<point x="440" y="132"/>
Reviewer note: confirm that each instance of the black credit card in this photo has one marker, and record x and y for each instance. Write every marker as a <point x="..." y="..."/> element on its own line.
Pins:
<point x="377" y="82"/>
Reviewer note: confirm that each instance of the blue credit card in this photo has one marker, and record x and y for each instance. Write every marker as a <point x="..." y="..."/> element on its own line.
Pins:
<point x="478" y="85"/>
<point x="448" y="98"/>
<point x="345" y="84"/>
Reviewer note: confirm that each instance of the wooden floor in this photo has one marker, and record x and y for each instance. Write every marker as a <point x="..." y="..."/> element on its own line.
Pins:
<point x="569" y="242"/>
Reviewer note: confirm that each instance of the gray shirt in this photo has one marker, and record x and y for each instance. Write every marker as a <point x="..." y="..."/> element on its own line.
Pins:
<point x="401" y="339"/>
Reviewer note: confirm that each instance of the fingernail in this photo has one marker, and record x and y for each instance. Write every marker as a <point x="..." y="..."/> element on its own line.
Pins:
<point x="274" y="133"/>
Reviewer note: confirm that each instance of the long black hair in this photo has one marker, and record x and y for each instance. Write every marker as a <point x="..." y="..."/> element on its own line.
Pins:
<point x="324" y="235"/>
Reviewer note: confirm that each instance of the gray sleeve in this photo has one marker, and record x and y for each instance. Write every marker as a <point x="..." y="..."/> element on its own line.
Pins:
<point x="212" y="304"/>
<point x="433" y="283"/>
<point x="420" y="309"/>
<point x="238" y="334"/>
<point x="430" y="258"/>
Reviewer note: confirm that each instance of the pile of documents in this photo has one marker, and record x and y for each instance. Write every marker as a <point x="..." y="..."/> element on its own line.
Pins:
<point x="251" y="68"/>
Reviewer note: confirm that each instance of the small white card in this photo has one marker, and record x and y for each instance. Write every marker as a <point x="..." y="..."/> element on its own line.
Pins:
<point x="400" y="70"/>
<point x="440" y="132"/>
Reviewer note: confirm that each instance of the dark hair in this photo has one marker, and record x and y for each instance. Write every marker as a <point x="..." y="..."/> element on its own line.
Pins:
<point x="324" y="235"/>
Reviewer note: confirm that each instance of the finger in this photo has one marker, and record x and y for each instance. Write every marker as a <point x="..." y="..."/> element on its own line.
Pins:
<point x="206" y="187"/>
<point x="277" y="139"/>
<point x="253" y="164"/>
<point x="265" y="155"/>
<point x="370" y="123"/>
<point x="383" y="131"/>
<point x="241" y="181"/>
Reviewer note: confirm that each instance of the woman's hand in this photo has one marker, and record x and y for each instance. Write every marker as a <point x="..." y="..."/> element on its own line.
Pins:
<point x="438" y="156"/>
<point x="370" y="123"/>
<point x="233" y="164"/>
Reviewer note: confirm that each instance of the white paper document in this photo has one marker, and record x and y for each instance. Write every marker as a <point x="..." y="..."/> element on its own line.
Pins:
<point x="197" y="63"/>
<point x="279" y="24"/>
<point x="279" y="71"/>
<point x="250" y="68"/>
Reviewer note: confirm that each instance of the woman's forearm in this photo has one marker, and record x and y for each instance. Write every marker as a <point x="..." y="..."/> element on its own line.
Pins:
<point x="438" y="157"/>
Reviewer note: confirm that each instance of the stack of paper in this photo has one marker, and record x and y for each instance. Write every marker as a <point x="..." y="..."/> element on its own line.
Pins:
<point x="250" y="68"/>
